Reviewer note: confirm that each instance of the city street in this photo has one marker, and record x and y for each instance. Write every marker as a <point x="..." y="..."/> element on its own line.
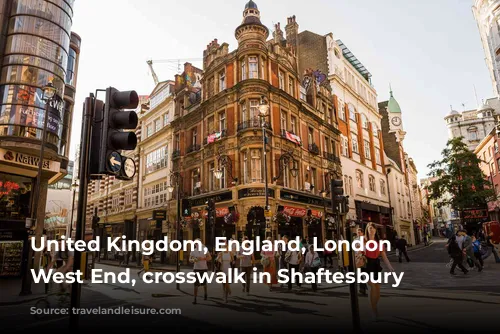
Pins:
<point x="427" y="300"/>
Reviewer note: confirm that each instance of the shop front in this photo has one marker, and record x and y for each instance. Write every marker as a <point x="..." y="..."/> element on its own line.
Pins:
<point x="379" y="215"/>
<point x="474" y="218"/>
<point x="15" y="200"/>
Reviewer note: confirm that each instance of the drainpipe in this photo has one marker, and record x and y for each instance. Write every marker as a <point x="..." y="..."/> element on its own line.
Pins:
<point x="389" y="196"/>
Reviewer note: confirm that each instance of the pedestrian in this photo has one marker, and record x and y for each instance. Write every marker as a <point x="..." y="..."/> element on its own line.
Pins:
<point x="456" y="254"/>
<point x="328" y="258"/>
<point x="199" y="258"/>
<point x="312" y="264"/>
<point x="146" y="261"/>
<point x="226" y="260"/>
<point x="491" y="244"/>
<point x="282" y="249"/>
<point x="426" y="239"/>
<point x="362" y="286"/>
<point x="468" y="250"/>
<point x="476" y="247"/>
<point x="373" y="266"/>
<point x="293" y="258"/>
<point x="268" y="261"/>
<point x="402" y="247"/>
<point x="247" y="261"/>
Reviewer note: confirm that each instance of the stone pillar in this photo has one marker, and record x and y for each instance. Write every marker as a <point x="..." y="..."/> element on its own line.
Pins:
<point x="40" y="218"/>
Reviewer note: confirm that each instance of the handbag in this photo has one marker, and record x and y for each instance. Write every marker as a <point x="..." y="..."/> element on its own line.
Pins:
<point x="265" y="261"/>
<point x="316" y="262"/>
<point x="360" y="260"/>
<point x="288" y="255"/>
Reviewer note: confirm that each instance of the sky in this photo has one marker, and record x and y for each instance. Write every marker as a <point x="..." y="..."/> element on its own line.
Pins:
<point x="429" y="51"/>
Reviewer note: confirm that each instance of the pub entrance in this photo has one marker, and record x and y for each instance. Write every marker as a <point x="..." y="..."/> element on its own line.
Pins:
<point x="293" y="229"/>
<point x="256" y="223"/>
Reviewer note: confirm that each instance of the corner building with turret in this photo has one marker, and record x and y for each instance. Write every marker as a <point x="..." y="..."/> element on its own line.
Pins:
<point x="218" y="139"/>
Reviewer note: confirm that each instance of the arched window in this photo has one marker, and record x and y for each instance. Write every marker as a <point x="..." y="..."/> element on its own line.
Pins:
<point x="359" y="179"/>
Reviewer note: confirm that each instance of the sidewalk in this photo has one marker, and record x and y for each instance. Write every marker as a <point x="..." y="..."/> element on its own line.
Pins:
<point x="411" y="249"/>
<point x="11" y="288"/>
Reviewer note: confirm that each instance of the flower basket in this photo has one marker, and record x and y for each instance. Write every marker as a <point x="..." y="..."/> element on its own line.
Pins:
<point x="281" y="218"/>
<point x="231" y="217"/>
<point x="311" y="221"/>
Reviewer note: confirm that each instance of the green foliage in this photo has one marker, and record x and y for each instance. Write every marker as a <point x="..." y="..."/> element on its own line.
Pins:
<point x="459" y="180"/>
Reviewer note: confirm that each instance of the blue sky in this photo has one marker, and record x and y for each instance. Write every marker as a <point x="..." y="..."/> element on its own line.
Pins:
<point x="428" y="50"/>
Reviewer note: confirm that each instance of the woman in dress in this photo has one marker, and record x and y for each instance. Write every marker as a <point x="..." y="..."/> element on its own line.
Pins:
<point x="373" y="266"/>
<point x="269" y="263"/>
<point x="226" y="260"/>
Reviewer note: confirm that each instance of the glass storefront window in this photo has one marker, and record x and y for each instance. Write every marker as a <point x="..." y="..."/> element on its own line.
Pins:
<point x="44" y="9"/>
<point x="70" y="69"/>
<point x="15" y="193"/>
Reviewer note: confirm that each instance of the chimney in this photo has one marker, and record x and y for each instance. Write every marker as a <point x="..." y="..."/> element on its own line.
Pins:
<point x="278" y="33"/>
<point x="292" y="32"/>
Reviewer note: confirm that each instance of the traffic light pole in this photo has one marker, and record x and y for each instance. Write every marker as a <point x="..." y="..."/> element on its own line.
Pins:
<point x="178" y="228"/>
<point x="353" y="291"/>
<point x="88" y="111"/>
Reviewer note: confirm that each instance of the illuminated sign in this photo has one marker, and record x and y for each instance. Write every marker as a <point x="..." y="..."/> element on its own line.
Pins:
<point x="28" y="160"/>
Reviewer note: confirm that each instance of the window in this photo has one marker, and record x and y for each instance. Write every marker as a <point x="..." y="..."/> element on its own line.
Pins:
<point x="346" y="185"/>
<point x="253" y="68"/>
<point x="166" y="118"/>
<point x="342" y="111"/>
<point x="157" y="159"/>
<point x="368" y="154"/>
<point x="359" y="179"/>
<point x="245" y="167"/>
<point x="352" y="113"/>
<point x="293" y="124"/>
<point x="254" y="109"/>
<point x="496" y="147"/>
<point x="310" y="136"/>
<point x="351" y="190"/>
<point x="177" y="142"/>
<point x="244" y="112"/>
<point x="255" y="166"/>
<point x="313" y="178"/>
<point x="222" y="121"/>
<point x="195" y="181"/>
<point x="211" y="176"/>
<point x="365" y="122"/>
<point x="291" y="86"/>
<point x="371" y="183"/>
<point x="354" y="140"/>
<point x="128" y="196"/>
<point x="498" y="163"/>
<point x="195" y="136"/>
<point x="211" y="88"/>
<point x="158" y="125"/>
<point x="283" y="121"/>
<point x="493" y="169"/>
<point x="377" y="155"/>
<point x="243" y="69"/>
<point x="472" y="135"/>
<point x="286" y="175"/>
<point x="222" y="81"/>
<point x="222" y="181"/>
<point x="281" y="79"/>
<point x="375" y="130"/>
<point x="210" y="125"/>
<point x="149" y="130"/>
<point x="345" y="146"/>
<point x="382" y="187"/>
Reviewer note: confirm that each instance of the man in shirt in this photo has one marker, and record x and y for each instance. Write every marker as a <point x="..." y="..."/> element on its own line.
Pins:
<point x="491" y="244"/>
<point x="246" y="265"/>
<point x="293" y="258"/>
<point x="401" y="246"/>
<point x="199" y="259"/>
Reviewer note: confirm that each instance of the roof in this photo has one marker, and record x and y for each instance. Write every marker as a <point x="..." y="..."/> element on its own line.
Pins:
<point x="251" y="4"/>
<point x="354" y="61"/>
<point x="393" y="105"/>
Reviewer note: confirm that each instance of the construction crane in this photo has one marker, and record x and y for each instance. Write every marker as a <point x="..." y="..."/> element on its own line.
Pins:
<point x="178" y="61"/>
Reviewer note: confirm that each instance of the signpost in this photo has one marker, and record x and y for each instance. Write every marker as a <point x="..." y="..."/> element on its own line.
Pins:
<point x="115" y="162"/>
<point x="129" y="168"/>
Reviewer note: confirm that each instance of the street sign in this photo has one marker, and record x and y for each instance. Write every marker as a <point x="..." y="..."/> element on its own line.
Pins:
<point x="115" y="162"/>
<point x="267" y="213"/>
<point x="159" y="215"/>
<point x="129" y="167"/>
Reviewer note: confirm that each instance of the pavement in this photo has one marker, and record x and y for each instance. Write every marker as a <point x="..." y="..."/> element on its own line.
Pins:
<point x="429" y="299"/>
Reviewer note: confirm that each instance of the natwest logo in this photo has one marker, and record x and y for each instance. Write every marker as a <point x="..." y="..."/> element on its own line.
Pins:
<point x="28" y="160"/>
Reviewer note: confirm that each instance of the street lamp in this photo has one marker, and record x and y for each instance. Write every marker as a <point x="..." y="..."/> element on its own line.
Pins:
<point x="49" y="91"/>
<point x="176" y="178"/>
<point x="73" y="186"/>
<point x="324" y="194"/>
<point x="264" y="111"/>
<point x="225" y="161"/>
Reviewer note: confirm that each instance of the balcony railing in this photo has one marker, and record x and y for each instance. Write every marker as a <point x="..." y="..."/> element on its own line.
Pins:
<point x="254" y="123"/>
<point x="176" y="154"/>
<point x="193" y="148"/>
<point x="314" y="149"/>
<point x="331" y="157"/>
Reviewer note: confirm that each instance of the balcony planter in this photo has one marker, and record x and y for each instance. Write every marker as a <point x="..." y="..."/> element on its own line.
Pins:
<point x="314" y="149"/>
<point x="231" y="218"/>
<point x="281" y="218"/>
<point x="312" y="221"/>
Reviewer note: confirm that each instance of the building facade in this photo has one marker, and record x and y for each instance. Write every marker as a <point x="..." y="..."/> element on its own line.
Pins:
<point x="155" y="152"/>
<point x="420" y="226"/>
<point x="488" y="152"/>
<point x="473" y="124"/>
<point x="37" y="47"/>
<point x="355" y="105"/>
<point x="59" y="205"/>
<point x="218" y="142"/>
<point x="393" y="135"/>
<point x="487" y="15"/>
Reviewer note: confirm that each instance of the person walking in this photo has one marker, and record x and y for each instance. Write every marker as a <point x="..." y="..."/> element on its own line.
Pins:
<point x="468" y="250"/>
<point x="247" y="261"/>
<point x="491" y="244"/>
<point x="268" y="261"/>
<point x="226" y="261"/>
<point x="293" y="258"/>
<point x="476" y="248"/>
<point x="312" y="264"/>
<point x="200" y="258"/>
<point x="402" y="247"/>
<point x="373" y="266"/>
<point x="146" y="260"/>
<point x="456" y="254"/>
<point x="282" y="252"/>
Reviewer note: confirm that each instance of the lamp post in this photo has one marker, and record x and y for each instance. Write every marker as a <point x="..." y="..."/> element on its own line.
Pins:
<point x="49" y="91"/>
<point x="264" y="111"/>
<point x="176" y="179"/>
<point x="324" y="194"/>
<point x="70" y="230"/>
<point x="225" y="162"/>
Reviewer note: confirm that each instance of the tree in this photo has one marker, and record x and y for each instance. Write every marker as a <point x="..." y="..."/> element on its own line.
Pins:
<point x="459" y="180"/>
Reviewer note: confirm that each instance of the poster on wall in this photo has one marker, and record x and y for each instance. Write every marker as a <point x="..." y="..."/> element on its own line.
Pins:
<point x="11" y="255"/>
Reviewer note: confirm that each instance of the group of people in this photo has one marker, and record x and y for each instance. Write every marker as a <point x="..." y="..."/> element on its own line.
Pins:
<point x="470" y="250"/>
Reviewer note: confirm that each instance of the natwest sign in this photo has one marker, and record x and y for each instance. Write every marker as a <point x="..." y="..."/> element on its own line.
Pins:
<point x="28" y="160"/>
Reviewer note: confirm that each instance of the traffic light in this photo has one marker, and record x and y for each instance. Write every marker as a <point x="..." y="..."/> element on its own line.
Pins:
<point x="186" y="207"/>
<point x="112" y="137"/>
<point x="337" y="189"/>
<point x="95" y="222"/>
